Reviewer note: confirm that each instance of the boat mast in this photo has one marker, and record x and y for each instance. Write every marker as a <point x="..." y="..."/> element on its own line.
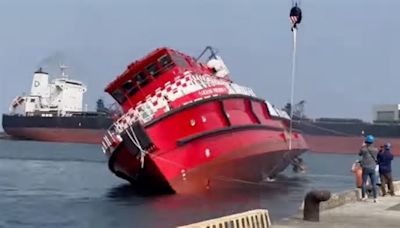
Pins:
<point x="62" y="69"/>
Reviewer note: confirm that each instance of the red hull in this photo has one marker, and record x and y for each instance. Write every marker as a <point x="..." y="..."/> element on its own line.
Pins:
<point x="345" y="144"/>
<point x="90" y="136"/>
<point x="248" y="155"/>
<point x="246" y="145"/>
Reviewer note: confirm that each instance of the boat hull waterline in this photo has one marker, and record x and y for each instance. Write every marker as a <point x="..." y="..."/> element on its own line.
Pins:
<point x="89" y="130"/>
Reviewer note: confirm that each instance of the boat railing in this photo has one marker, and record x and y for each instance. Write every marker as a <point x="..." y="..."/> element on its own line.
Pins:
<point x="276" y="112"/>
<point x="113" y="134"/>
<point x="183" y="85"/>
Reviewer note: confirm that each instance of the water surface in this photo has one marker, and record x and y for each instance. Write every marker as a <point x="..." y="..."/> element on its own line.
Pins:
<point x="69" y="185"/>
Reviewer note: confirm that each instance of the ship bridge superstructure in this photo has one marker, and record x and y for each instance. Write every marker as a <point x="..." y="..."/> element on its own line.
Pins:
<point x="58" y="97"/>
<point x="167" y="79"/>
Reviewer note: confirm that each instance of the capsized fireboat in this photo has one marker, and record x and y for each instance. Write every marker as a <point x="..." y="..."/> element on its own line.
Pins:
<point x="186" y="122"/>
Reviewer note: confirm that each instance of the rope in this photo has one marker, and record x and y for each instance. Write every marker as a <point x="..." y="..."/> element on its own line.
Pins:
<point x="135" y="141"/>
<point x="296" y="1"/>
<point x="167" y="160"/>
<point x="143" y="152"/>
<point x="292" y="86"/>
<point x="228" y="179"/>
<point x="259" y="183"/>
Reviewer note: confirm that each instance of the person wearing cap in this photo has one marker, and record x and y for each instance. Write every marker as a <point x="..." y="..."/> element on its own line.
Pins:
<point x="385" y="158"/>
<point x="368" y="163"/>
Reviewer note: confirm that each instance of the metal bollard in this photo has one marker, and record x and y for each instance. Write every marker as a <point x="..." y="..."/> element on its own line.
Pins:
<point x="311" y="204"/>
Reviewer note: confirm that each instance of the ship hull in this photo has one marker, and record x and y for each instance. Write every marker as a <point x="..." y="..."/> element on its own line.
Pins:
<point x="348" y="129"/>
<point x="246" y="144"/>
<point x="346" y="144"/>
<point x="346" y="137"/>
<point x="79" y="129"/>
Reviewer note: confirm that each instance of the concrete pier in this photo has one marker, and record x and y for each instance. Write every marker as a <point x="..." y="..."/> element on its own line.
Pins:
<point x="384" y="213"/>
<point x="346" y="210"/>
<point x="343" y="209"/>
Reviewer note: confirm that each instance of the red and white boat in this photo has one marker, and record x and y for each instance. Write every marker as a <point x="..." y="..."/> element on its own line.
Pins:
<point x="186" y="122"/>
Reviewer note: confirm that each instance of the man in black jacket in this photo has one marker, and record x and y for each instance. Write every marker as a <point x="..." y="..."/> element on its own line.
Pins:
<point x="385" y="158"/>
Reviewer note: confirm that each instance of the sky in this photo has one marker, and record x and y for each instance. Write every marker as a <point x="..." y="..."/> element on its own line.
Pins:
<point x="347" y="49"/>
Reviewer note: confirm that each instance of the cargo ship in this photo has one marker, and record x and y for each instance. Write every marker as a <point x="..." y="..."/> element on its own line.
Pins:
<point x="53" y="111"/>
<point x="186" y="122"/>
<point x="345" y="135"/>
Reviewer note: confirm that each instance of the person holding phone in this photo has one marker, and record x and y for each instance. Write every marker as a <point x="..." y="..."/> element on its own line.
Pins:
<point x="368" y="163"/>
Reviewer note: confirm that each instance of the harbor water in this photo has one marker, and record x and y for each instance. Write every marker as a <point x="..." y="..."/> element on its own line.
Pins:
<point x="69" y="185"/>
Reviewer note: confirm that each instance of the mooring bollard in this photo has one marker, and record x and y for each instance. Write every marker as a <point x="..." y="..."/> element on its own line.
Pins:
<point x="311" y="204"/>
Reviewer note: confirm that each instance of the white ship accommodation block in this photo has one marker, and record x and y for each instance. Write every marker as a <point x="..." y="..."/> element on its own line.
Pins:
<point x="67" y="95"/>
<point x="58" y="97"/>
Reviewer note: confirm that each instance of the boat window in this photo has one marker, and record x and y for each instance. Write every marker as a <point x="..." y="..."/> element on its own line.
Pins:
<point x="73" y="83"/>
<point x="179" y="60"/>
<point x="32" y="100"/>
<point x="141" y="79"/>
<point x="132" y="91"/>
<point x="153" y="70"/>
<point x="127" y="85"/>
<point x="118" y="95"/>
<point x="166" y="62"/>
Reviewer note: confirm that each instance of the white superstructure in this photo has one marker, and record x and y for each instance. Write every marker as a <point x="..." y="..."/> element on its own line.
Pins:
<point x="386" y="112"/>
<point x="59" y="97"/>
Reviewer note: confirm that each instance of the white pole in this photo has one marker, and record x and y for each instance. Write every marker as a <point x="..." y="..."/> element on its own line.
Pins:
<point x="292" y="86"/>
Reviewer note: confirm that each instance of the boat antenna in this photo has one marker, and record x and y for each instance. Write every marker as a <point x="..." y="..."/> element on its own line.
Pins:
<point x="295" y="17"/>
<point x="62" y="69"/>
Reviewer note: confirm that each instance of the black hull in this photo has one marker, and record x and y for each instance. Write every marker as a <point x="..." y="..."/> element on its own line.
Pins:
<point x="79" y="129"/>
<point x="347" y="129"/>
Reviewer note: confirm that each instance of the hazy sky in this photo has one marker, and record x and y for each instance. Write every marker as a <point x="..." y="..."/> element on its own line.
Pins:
<point x="347" y="49"/>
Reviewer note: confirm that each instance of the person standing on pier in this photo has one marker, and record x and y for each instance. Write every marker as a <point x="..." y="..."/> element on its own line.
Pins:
<point x="368" y="162"/>
<point x="385" y="158"/>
